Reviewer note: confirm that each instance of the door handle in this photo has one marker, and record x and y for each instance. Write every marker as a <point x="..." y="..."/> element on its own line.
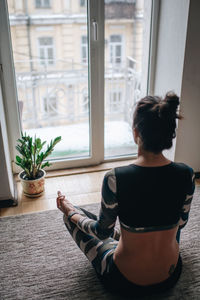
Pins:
<point x="95" y="30"/>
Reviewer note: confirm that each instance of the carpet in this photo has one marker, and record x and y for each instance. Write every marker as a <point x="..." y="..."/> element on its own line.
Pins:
<point x="39" y="260"/>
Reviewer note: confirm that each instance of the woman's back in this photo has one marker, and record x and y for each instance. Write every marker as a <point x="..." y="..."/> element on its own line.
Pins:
<point x="147" y="258"/>
<point x="150" y="200"/>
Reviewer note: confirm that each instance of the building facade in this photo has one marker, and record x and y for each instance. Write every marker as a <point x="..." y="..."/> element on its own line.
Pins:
<point x="50" y="49"/>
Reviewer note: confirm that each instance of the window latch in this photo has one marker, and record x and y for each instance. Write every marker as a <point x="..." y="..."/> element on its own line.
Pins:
<point x="95" y="29"/>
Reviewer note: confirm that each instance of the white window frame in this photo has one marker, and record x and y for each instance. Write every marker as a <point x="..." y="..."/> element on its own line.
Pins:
<point x="112" y="50"/>
<point x="42" y="5"/>
<point x="96" y="86"/>
<point x="46" y="61"/>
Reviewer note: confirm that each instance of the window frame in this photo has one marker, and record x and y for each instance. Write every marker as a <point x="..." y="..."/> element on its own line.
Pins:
<point x="96" y="86"/>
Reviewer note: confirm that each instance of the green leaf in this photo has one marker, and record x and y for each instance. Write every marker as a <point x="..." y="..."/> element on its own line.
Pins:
<point x="43" y="143"/>
<point x="18" y="159"/>
<point x="19" y="165"/>
<point x="46" y="164"/>
<point x="20" y="150"/>
<point x="57" y="139"/>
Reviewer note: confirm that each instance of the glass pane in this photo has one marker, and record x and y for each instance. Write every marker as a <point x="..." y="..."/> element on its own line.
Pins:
<point x="118" y="52"/>
<point x="52" y="80"/>
<point x="50" y="53"/>
<point x="115" y="38"/>
<point x="124" y="30"/>
<point x="38" y="3"/>
<point x="46" y="3"/>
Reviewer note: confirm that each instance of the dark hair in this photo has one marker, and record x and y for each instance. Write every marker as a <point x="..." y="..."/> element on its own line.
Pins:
<point x="155" y="120"/>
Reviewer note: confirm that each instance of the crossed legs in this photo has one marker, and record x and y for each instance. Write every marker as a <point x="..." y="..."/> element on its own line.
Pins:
<point x="98" y="252"/>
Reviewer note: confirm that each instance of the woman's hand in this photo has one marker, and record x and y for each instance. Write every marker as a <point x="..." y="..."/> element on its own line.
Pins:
<point x="64" y="205"/>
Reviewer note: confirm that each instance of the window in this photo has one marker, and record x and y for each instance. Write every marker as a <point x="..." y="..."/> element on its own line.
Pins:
<point x="50" y="106"/>
<point x="42" y="3"/>
<point x="116" y="49"/>
<point x="67" y="62"/>
<point x="83" y="3"/>
<point x="46" y="50"/>
<point x="84" y="49"/>
<point x="115" y="102"/>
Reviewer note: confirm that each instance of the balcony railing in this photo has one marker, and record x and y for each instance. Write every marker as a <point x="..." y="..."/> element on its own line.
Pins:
<point x="58" y="94"/>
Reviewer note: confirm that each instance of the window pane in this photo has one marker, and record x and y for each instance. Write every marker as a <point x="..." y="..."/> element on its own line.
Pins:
<point x="42" y="53"/>
<point x="50" y="53"/>
<point x="124" y="30"/>
<point x="118" y="51"/>
<point x="82" y="3"/>
<point x="38" y="3"/>
<point x="46" y="3"/>
<point x="115" y="38"/>
<point x="52" y="80"/>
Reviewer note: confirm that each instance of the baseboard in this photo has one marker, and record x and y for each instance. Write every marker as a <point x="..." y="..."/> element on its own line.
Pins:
<point x="10" y="202"/>
<point x="7" y="203"/>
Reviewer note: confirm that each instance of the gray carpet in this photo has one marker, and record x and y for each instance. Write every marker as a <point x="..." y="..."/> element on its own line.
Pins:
<point x="39" y="260"/>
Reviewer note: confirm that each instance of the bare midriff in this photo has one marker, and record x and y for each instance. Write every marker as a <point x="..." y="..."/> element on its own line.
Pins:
<point x="147" y="258"/>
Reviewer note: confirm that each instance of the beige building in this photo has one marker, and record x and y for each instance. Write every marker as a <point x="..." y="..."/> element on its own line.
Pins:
<point x="50" y="51"/>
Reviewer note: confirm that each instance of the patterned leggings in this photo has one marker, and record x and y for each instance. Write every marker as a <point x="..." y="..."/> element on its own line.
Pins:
<point x="98" y="252"/>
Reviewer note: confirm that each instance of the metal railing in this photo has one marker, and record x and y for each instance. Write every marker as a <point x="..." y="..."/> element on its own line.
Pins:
<point x="58" y="94"/>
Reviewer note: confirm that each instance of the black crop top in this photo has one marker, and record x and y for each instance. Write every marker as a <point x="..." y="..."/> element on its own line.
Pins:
<point x="144" y="198"/>
<point x="153" y="198"/>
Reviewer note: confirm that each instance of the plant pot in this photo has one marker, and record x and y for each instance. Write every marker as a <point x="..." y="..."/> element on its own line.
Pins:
<point x="34" y="187"/>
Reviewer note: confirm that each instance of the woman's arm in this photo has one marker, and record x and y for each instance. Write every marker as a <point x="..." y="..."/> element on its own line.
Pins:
<point x="104" y="226"/>
<point x="188" y="200"/>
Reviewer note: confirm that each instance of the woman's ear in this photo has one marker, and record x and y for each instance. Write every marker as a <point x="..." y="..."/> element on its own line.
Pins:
<point x="135" y="135"/>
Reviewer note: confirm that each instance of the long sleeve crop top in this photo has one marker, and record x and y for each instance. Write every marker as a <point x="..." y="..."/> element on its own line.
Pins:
<point x="144" y="198"/>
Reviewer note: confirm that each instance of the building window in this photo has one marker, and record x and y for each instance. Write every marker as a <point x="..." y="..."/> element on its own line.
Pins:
<point x="42" y="4"/>
<point x="84" y="49"/>
<point x="115" y="46"/>
<point x="115" y="102"/>
<point x="50" y="106"/>
<point x="83" y="3"/>
<point x="46" y="50"/>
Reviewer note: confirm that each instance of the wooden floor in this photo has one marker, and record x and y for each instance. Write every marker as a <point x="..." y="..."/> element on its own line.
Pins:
<point x="81" y="186"/>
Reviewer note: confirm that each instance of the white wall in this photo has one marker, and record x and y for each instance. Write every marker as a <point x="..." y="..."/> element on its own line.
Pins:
<point x="172" y="29"/>
<point x="171" y="45"/>
<point x="188" y="137"/>
<point x="6" y="177"/>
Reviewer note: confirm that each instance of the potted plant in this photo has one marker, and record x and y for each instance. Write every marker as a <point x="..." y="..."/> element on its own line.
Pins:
<point x="32" y="162"/>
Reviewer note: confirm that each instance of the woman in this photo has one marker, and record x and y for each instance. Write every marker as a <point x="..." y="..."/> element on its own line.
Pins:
<point x="152" y="199"/>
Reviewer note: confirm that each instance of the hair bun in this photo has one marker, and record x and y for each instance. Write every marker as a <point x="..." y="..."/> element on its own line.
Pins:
<point x="172" y="99"/>
<point x="168" y="106"/>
